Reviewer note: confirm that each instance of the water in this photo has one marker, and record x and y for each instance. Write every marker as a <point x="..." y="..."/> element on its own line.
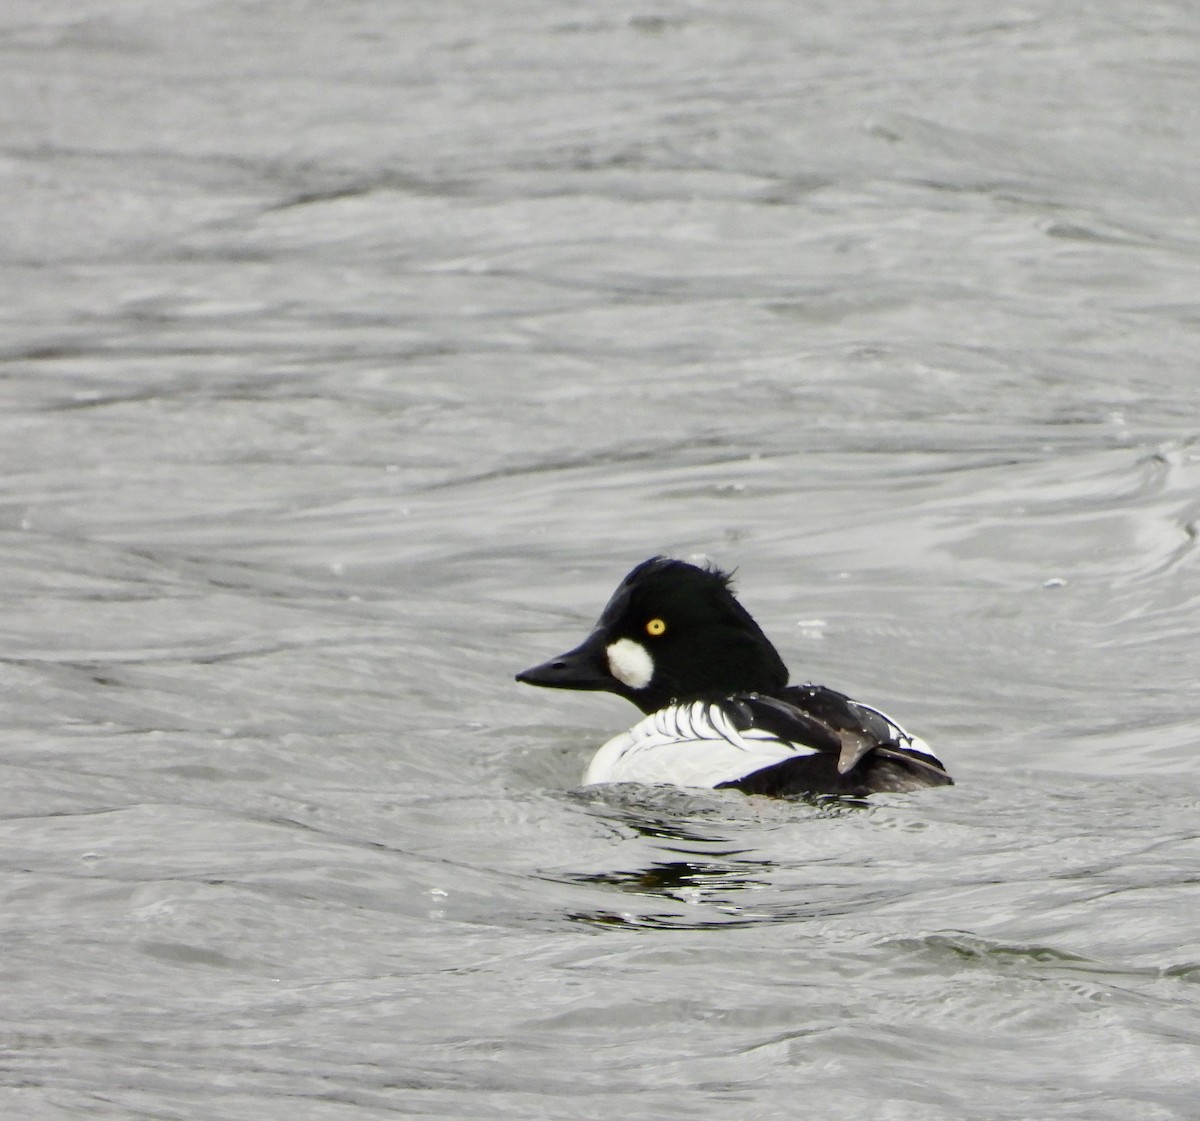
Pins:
<point x="352" y="353"/>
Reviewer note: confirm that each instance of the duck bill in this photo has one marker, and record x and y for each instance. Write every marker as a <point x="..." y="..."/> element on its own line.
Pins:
<point x="585" y="667"/>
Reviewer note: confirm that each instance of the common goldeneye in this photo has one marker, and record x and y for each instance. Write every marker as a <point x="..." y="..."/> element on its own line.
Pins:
<point x="720" y="713"/>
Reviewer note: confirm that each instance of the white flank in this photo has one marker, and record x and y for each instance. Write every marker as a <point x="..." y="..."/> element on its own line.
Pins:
<point x="630" y="663"/>
<point x="688" y="745"/>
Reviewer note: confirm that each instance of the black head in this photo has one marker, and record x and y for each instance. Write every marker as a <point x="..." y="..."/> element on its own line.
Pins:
<point x="671" y="632"/>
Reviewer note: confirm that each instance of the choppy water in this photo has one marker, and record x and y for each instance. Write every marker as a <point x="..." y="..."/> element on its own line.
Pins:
<point x="351" y="353"/>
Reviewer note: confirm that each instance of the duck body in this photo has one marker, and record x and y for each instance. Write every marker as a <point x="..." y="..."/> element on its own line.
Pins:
<point x="719" y="712"/>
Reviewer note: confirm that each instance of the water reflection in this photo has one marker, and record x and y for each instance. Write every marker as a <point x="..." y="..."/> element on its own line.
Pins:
<point x="703" y="856"/>
<point x="708" y="892"/>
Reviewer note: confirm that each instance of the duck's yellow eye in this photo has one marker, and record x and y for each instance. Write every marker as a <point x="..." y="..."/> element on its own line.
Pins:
<point x="655" y="627"/>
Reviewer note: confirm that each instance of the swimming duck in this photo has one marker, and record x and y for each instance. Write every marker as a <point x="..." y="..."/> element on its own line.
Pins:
<point x="719" y="711"/>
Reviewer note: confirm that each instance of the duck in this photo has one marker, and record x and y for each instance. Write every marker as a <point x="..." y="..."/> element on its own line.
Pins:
<point x="718" y="710"/>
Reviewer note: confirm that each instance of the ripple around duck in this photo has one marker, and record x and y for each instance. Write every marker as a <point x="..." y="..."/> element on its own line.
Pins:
<point x="973" y="951"/>
<point x="674" y="859"/>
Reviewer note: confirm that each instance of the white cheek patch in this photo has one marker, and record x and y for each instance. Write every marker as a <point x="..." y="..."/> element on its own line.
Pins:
<point x="630" y="663"/>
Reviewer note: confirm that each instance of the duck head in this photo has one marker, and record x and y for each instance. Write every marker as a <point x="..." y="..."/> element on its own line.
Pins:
<point x="672" y="632"/>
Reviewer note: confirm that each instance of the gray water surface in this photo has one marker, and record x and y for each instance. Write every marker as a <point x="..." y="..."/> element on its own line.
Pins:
<point x="351" y="355"/>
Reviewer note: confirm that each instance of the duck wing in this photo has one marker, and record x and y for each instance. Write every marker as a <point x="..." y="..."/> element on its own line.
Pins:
<point x="783" y="720"/>
<point x="858" y="750"/>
